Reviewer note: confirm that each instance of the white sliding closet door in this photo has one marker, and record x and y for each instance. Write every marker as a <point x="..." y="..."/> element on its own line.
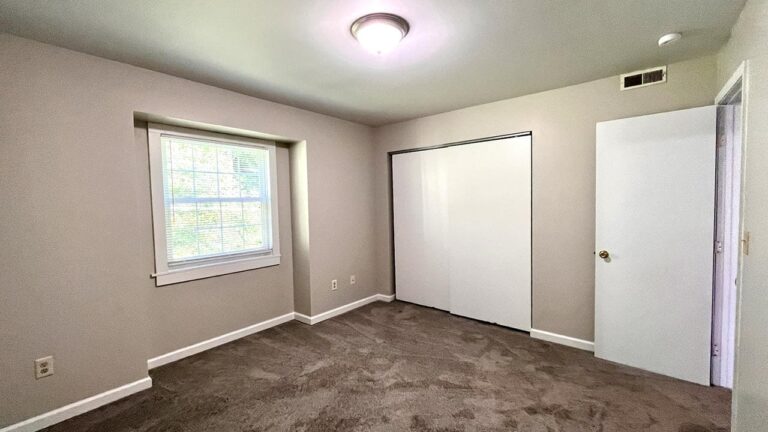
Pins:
<point x="420" y="205"/>
<point x="489" y="219"/>
<point x="462" y="224"/>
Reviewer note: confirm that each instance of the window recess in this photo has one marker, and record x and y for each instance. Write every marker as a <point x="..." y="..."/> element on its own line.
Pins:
<point x="214" y="203"/>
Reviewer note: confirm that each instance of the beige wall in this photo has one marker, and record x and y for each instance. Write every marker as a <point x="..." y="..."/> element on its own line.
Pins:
<point x="302" y="290"/>
<point x="76" y="233"/>
<point x="340" y="215"/>
<point x="749" y="41"/>
<point x="182" y="314"/>
<point x="563" y="125"/>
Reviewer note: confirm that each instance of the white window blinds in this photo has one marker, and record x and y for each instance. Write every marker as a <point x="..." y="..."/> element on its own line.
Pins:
<point x="216" y="199"/>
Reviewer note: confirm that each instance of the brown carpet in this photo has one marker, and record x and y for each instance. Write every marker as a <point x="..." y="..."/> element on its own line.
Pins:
<point x="399" y="367"/>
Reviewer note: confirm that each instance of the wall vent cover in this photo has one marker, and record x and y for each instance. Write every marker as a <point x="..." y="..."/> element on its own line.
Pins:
<point x="643" y="78"/>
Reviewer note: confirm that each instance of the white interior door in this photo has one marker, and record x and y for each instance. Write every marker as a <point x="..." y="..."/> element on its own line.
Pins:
<point x="655" y="214"/>
<point x="462" y="228"/>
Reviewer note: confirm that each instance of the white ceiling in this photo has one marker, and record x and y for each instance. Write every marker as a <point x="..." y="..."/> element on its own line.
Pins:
<point x="300" y="52"/>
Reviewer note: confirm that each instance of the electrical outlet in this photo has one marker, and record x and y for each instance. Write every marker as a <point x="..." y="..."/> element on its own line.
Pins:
<point x="352" y="280"/>
<point x="334" y="285"/>
<point x="44" y="367"/>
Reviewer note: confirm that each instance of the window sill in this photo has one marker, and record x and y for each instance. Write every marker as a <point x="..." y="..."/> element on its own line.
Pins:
<point x="214" y="269"/>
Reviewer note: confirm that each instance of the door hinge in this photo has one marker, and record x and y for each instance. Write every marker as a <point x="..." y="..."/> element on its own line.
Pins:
<point x="715" y="350"/>
<point x="718" y="247"/>
<point x="745" y="243"/>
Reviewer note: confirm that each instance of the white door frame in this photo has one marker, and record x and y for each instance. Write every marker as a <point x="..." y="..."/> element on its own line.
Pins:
<point x="726" y="304"/>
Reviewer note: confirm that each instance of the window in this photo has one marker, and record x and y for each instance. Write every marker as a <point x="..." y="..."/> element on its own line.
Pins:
<point x="214" y="203"/>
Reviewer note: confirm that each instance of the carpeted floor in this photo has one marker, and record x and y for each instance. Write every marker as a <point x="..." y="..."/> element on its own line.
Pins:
<point x="399" y="367"/>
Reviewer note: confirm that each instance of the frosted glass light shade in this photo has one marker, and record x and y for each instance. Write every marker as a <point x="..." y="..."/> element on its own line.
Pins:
<point x="380" y="32"/>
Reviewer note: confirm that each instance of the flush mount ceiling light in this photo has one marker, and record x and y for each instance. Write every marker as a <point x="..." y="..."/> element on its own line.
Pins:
<point x="669" y="38"/>
<point x="379" y="32"/>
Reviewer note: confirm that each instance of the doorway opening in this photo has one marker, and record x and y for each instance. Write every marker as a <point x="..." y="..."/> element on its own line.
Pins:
<point x="727" y="242"/>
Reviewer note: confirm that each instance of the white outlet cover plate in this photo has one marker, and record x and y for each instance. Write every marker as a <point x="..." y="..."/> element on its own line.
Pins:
<point x="41" y="364"/>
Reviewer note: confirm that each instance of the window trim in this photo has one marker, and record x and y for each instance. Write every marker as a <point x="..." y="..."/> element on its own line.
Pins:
<point x="165" y="274"/>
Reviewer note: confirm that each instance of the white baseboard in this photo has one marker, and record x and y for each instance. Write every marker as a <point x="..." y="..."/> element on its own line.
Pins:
<point x="60" y="414"/>
<point x="68" y="411"/>
<point x="216" y="341"/>
<point x="255" y="328"/>
<point x="386" y="297"/>
<point x="563" y="340"/>
<point x="314" y="319"/>
<point x="300" y="317"/>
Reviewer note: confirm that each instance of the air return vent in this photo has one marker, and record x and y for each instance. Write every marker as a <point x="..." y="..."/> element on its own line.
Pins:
<point x="643" y="78"/>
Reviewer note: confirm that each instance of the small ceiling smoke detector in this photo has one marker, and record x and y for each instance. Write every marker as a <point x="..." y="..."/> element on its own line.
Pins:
<point x="669" y="38"/>
<point x="380" y="32"/>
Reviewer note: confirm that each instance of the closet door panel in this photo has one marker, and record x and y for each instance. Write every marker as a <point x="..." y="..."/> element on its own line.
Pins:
<point x="489" y="208"/>
<point x="462" y="229"/>
<point x="420" y="226"/>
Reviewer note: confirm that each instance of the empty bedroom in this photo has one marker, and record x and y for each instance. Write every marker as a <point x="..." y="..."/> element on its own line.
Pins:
<point x="384" y="215"/>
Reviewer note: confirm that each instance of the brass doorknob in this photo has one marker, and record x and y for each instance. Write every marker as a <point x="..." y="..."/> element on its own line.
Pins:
<point x="603" y="254"/>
